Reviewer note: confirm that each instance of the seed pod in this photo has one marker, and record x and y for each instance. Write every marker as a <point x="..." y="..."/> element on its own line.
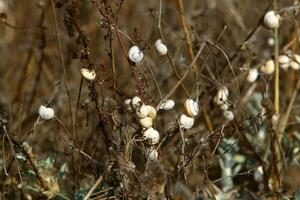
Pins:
<point x="87" y="74"/>
<point x="46" y="113"/>
<point x="191" y="107"/>
<point x="151" y="135"/>
<point x="135" y="54"/>
<point x="160" y="47"/>
<point x="186" y="122"/>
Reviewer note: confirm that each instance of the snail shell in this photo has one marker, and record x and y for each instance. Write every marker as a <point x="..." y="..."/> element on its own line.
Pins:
<point x="186" y="122"/>
<point x="284" y="62"/>
<point x="160" y="47"/>
<point x="135" y="54"/>
<point x="146" y="122"/>
<point x="191" y="107"/>
<point x="136" y="102"/>
<point x="152" y="135"/>
<point x="229" y="115"/>
<point x="152" y="153"/>
<point x="271" y="20"/>
<point x="127" y="104"/>
<point x="268" y="68"/>
<point x="224" y="106"/>
<point x="87" y="74"/>
<point x="146" y="111"/>
<point x="168" y="104"/>
<point x="221" y="96"/>
<point x="252" y="75"/>
<point x="295" y="62"/>
<point x="46" y="113"/>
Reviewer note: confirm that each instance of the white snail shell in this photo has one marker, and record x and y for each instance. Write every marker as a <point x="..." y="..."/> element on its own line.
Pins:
<point x="87" y="74"/>
<point x="152" y="153"/>
<point x="191" y="107"/>
<point x="295" y="62"/>
<point x="221" y="96"/>
<point x="168" y="104"/>
<point x="268" y="68"/>
<point x="46" y="113"/>
<point x="284" y="61"/>
<point x="224" y="106"/>
<point x="229" y="115"/>
<point x="135" y="54"/>
<point x="127" y="104"/>
<point x="275" y="120"/>
<point x="252" y="75"/>
<point x="3" y="6"/>
<point x="146" y="122"/>
<point x="136" y="102"/>
<point x="186" y="122"/>
<point x="152" y="135"/>
<point x="271" y="19"/>
<point x="160" y="47"/>
<point x="146" y="111"/>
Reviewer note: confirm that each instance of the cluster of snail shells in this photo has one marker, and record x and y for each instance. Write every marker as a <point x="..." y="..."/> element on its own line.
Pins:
<point x="292" y="61"/>
<point x="221" y="100"/>
<point x="271" y="20"/>
<point x="46" y="113"/>
<point x="191" y="109"/>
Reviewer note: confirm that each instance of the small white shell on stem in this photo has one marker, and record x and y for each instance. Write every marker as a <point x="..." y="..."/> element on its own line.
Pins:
<point x="252" y="75"/>
<point x="284" y="62"/>
<point x="268" y="68"/>
<point x="136" y="102"/>
<point x="88" y="74"/>
<point x="152" y="135"/>
<point x="146" y="122"/>
<point x="135" y="54"/>
<point x="152" y="153"/>
<point x="191" y="107"/>
<point x="160" y="47"/>
<point x="168" y="104"/>
<point x="186" y="122"/>
<point x="127" y="105"/>
<point x="271" y="19"/>
<point x="221" y="96"/>
<point x="229" y="115"/>
<point x="46" y="113"/>
<point x="295" y="62"/>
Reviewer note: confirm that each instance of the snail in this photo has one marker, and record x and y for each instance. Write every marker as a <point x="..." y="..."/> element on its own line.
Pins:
<point x="135" y="54"/>
<point x="252" y="75"/>
<point x="191" y="107"/>
<point x="271" y="19"/>
<point x="46" y="113"/>
<point x="168" y="104"/>
<point x="146" y="122"/>
<point x="284" y="62"/>
<point x="127" y="104"/>
<point x="186" y="122"/>
<point x="160" y="47"/>
<point x="88" y="74"/>
<point x="135" y="102"/>
<point x="145" y="111"/>
<point x="221" y="96"/>
<point x="151" y="135"/>
<point x="295" y="62"/>
<point x="152" y="153"/>
<point x="224" y="106"/>
<point x="229" y="115"/>
<point x="268" y="68"/>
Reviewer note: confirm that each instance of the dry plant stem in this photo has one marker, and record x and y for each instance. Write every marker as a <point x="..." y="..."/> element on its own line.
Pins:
<point x="182" y="78"/>
<point x="62" y="62"/>
<point x="186" y="32"/>
<point x="168" y="54"/>
<point x="113" y="64"/>
<point x="99" y="180"/>
<point x="154" y="78"/>
<point x="13" y="151"/>
<point x="77" y="107"/>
